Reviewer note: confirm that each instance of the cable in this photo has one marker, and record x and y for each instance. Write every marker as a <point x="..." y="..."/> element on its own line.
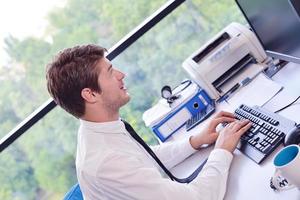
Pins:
<point x="281" y="109"/>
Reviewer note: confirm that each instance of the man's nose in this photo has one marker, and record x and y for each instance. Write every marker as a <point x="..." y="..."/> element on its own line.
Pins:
<point x="120" y="75"/>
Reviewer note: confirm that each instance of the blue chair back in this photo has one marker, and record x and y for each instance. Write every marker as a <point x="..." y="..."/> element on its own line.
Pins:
<point x="74" y="193"/>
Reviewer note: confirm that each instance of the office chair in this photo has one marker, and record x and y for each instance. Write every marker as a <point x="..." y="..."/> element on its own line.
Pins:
<point x="74" y="193"/>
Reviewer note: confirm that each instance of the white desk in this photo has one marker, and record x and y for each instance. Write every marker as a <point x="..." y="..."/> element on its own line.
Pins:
<point x="248" y="180"/>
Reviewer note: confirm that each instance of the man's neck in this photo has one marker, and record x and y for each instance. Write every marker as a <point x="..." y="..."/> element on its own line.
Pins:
<point x="101" y="116"/>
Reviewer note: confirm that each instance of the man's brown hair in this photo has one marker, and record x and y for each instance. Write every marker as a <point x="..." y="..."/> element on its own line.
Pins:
<point x="72" y="70"/>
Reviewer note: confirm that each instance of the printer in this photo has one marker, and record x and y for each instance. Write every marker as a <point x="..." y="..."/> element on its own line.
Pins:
<point x="223" y="61"/>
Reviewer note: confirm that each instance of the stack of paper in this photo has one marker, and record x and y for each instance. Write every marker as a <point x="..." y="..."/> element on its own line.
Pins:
<point x="258" y="92"/>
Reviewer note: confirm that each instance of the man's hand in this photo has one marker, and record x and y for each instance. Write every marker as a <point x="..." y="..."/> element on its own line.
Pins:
<point x="231" y="134"/>
<point x="209" y="133"/>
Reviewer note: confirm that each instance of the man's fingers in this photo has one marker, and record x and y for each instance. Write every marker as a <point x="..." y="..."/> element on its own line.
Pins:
<point x="225" y="114"/>
<point x="222" y="119"/>
<point x="239" y="124"/>
<point x="244" y="129"/>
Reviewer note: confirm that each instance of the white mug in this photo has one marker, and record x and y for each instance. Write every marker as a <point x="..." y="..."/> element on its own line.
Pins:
<point x="287" y="168"/>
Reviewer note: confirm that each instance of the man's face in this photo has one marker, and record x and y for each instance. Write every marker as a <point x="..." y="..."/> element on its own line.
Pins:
<point x="113" y="91"/>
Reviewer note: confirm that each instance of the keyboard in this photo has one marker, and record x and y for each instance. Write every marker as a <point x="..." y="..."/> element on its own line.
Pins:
<point x="267" y="132"/>
<point x="200" y="116"/>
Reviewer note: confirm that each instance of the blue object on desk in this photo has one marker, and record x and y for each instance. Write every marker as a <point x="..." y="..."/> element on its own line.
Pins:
<point x="200" y="117"/>
<point x="192" y="100"/>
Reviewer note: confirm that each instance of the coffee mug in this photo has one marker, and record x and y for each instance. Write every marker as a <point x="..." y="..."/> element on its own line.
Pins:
<point x="287" y="168"/>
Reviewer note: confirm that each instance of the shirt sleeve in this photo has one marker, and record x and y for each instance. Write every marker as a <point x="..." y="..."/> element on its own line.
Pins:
<point x="213" y="176"/>
<point x="172" y="153"/>
<point x="125" y="177"/>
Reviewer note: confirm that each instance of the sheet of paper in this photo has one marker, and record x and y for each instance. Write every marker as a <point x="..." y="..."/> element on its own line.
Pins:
<point x="258" y="92"/>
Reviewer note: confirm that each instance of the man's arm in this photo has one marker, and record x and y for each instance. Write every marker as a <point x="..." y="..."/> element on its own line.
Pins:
<point x="125" y="177"/>
<point x="214" y="174"/>
<point x="172" y="153"/>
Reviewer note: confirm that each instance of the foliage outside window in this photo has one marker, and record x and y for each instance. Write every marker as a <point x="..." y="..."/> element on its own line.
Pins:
<point x="40" y="165"/>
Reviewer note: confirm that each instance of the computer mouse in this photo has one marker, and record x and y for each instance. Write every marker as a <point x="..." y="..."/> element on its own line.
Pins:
<point x="293" y="137"/>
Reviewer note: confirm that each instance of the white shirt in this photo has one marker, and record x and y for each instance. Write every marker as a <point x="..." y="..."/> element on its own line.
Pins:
<point x="111" y="165"/>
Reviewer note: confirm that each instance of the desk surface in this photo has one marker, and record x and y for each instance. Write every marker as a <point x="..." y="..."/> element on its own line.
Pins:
<point x="248" y="180"/>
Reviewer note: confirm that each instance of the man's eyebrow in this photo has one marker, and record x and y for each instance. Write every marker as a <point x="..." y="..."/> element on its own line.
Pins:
<point x="110" y="66"/>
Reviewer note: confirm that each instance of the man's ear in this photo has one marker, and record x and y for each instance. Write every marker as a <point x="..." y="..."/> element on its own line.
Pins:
<point x="88" y="95"/>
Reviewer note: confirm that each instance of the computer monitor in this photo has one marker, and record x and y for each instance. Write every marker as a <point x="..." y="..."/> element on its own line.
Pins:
<point x="277" y="26"/>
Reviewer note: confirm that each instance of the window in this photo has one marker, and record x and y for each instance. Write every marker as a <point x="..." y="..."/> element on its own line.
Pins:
<point x="40" y="164"/>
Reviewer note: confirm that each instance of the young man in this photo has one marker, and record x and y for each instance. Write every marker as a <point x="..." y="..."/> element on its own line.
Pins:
<point x="110" y="163"/>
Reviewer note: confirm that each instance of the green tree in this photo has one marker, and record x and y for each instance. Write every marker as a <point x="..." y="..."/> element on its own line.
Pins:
<point x="41" y="163"/>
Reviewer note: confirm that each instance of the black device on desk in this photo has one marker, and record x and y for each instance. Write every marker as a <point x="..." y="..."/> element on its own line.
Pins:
<point x="293" y="137"/>
<point x="267" y="132"/>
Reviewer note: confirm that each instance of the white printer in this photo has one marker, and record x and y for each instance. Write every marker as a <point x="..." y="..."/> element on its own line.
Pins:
<point x="219" y="64"/>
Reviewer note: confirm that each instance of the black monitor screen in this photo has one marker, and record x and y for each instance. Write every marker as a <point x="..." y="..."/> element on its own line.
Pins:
<point x="277" y="25"/>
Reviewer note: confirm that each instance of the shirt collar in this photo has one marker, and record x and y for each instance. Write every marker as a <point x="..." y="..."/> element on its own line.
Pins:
<point x="104" y="127"/>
